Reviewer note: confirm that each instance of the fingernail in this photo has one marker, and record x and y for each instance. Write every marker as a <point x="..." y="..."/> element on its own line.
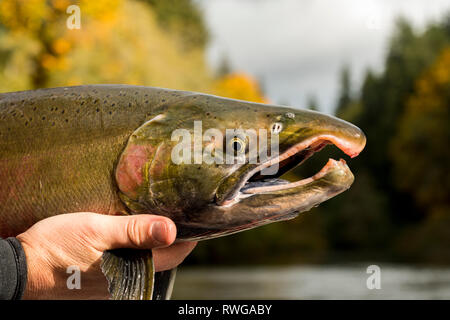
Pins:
<point x="159" y="232"/>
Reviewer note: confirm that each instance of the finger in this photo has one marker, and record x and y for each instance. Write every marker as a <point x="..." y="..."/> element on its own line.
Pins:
<point x="137" y="231"/>
<point x="170" y="257"/>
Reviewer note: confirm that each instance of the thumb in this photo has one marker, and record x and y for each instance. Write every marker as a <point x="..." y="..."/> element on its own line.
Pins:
<point x="142" y="231"/>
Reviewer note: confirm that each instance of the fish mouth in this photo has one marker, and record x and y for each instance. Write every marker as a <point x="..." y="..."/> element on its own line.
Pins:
<point x="254" y="182"/>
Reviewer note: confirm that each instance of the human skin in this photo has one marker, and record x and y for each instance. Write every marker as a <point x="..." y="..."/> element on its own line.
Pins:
<point x="79" y="239"/>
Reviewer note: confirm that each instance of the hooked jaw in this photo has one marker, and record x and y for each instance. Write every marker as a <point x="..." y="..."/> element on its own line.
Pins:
<point x="248" y="197"/>
<point x="335" y="172"/>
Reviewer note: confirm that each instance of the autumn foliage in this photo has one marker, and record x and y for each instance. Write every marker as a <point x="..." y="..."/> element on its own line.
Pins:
<point x="239" y="86"/>
<point x="126" y="42"/>
<point x="421" y="150"/>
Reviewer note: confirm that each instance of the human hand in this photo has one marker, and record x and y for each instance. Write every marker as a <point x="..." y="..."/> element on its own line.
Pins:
<point x="79" y="239"/>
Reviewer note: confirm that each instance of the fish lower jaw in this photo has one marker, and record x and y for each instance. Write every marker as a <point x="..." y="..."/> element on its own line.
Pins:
<point x="338" y="166"/>
<point x="331" y="165"/>
<point x="236" y="199"/>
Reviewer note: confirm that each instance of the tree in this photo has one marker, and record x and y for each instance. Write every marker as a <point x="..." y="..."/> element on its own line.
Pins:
<point x="183" y="18"/>
<point x="402" y="167"/>
<point x="382" y="103"/>
<point x="119" y="42"/>
<point x="311" y="103"/>
<point x="345" y="90"/>
<point x="420" y="150"/>
<point x="224" y="67"/>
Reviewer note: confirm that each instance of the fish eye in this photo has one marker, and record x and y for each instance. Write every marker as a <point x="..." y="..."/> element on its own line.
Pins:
<point x="276" y="128"/>
<point x="237" y="145"/>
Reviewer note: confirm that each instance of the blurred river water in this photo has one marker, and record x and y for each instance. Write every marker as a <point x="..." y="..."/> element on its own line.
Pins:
<point x="311" y="282"/>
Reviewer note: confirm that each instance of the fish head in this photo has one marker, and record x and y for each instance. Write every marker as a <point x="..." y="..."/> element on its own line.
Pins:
<point x="213" y="165"/>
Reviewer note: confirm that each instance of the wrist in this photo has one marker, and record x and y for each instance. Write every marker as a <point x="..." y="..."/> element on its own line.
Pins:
<point x="37" y="272"/>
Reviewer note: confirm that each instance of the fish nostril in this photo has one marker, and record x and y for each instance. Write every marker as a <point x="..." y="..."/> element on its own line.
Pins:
<point x="290" y="115"/>
<point x="276" y="128"/>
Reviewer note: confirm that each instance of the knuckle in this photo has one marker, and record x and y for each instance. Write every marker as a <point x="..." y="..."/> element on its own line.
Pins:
<point x="134" y="232"/>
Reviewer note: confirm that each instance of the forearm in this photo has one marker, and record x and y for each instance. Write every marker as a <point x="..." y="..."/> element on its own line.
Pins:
<point x="13" y="269"/>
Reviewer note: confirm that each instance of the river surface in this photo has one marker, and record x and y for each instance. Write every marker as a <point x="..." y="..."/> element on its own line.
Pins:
<point x="312" y="282"/>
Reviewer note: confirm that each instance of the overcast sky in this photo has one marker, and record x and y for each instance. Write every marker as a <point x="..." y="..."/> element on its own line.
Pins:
<point x="297" y="47"/>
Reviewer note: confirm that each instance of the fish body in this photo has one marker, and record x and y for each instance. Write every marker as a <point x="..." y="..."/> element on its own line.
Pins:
<point x="111" y="149"/>
<point x="59" y="148"/>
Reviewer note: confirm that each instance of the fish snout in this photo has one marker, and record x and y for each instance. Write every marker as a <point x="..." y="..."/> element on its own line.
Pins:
<point x="326" y="128"/>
